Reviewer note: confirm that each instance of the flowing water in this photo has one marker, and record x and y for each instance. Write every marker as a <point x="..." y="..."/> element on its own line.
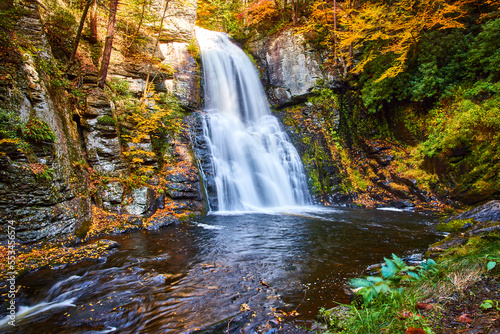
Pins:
<point x="255" y="164"/>
<point x="227" y="272"/>
<point x="194" y="275"/>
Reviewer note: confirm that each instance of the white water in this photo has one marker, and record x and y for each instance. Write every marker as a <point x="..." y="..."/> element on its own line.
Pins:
<point x="255" y="164"/>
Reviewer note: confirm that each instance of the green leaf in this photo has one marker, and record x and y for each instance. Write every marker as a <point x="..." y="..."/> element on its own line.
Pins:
<point x="487" y="304"/>
<point x="431" y="262"/>
<point x="375" y="279"/>
<point x="397" y="260"/>
<point x="389" y="269"/>
<point x="359" y="283"/>
<point x="413" y="275"/>
<point x="491" y="265"/>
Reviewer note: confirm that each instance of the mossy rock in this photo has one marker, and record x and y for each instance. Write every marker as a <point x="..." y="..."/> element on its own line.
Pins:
<point x="336" y="318"/>
<point x="455" y="225"/>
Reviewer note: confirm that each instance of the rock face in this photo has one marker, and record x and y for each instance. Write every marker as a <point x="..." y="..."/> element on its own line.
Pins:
<point x="204" y="158"/>
<point x="489" y="211"/>
<point x="101" y="135"/>
<point x="40" y="191"/>
<point x="289" y="67"/>
<point x="49" y="190"/>
<point x="179" y="72"/>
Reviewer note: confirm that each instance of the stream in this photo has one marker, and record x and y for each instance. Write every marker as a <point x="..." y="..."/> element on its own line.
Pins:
<point x="226" y="270"/>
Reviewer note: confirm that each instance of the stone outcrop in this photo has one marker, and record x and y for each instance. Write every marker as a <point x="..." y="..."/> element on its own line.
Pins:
<point x="101" y="135"/>
<point x="41" y="192"/>
<point x="481" y="222"/>
<point x="179" y="72"/>
<point x="289" y="67"/>
<point x="47" y="189"/>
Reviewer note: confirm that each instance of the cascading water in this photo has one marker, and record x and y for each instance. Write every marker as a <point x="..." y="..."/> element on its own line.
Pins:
<point x="254" y="162"/>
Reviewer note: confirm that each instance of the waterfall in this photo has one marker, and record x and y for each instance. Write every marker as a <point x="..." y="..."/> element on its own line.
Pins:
<point x="255" y="164"/>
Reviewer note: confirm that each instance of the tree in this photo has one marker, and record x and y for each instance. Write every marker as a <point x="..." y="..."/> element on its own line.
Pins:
<point x="108" y="45"/>
<point x="154" y="49"/>
<point x="79" y="32"/>
<point x="93" y="24"/>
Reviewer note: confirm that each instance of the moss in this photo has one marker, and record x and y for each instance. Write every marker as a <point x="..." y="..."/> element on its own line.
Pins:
<point x="454" y="225"/>
<point x="106" y="120"/>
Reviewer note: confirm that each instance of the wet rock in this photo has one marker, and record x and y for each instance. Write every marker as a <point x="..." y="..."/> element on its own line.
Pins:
<point x="384" y="160"/>
<point x="486" y="212"/>
<point x="142" y="200"/>
<point x="156" y="223"/>
<point x="107" y="244"/>
<point x="204" y="159"/>
<point x="289" y="67"/>
<point x="112" y="196"/>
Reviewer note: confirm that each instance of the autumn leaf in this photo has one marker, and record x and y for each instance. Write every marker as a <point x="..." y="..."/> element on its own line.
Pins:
<point x="413" y="330"/>
<point x="464" y="318"/>
<point x="424" y="306"/>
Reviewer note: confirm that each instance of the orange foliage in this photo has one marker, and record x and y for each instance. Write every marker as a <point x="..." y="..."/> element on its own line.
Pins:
<point x="260" y="11"/>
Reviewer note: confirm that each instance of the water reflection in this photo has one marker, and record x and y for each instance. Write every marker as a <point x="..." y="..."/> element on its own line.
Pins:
<point x="191" y="276"/>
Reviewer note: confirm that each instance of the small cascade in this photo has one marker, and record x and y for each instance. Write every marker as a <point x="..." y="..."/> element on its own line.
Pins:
<point x="255" y="164"/>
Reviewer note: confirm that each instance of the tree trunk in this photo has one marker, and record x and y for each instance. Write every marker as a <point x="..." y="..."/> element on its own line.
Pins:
<point x="335" y="29"/>
<point x="295" y="6"/>
<point x="79" y="32"/>
<point x="93" y="24"/>
<point x="154" y="50"/>
<point x="108" y="46"/>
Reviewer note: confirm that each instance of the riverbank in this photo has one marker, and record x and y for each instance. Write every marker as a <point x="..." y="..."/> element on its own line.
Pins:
<point x="459" y="294"/>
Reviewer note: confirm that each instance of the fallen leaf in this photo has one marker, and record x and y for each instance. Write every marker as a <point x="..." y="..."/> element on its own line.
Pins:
<point x="424" y="306"/>
<point x="464" y="318"/>
<point x="404" y="315"/>
<point x="413" y="330"/>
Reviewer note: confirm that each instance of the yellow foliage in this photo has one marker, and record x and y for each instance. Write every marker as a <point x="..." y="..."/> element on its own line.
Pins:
<point x="379" y="28"/>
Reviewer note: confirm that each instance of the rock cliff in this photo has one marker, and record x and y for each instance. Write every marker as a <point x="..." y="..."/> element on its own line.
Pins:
<point x="65" y="145"/>
<point x="289" y="67"/>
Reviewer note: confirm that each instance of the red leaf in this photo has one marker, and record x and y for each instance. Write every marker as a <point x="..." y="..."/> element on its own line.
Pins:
<point x="413" y="330"/>
<point x="464" y="318"/>
<point x="424" y="306"/>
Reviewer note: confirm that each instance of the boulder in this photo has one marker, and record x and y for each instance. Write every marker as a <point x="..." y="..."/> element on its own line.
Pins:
<point x="142" y="199"/>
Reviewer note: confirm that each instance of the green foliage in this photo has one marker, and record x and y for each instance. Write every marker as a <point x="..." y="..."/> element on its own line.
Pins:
<point x="394" y="272"/>
<point x="219" y="15"/>
<point x="37" y="131"/>
<point x="491" y="265"/>
<point x="489" y="304"/>
<point x="119" y="86"/>
<point x="60" y="26"/>
<point x="106" y="120"/>
<point x="484" y="53"/>
<point x="392" y="307"/>
<point x="194" y="49"/>
<point x="10" y="125"/>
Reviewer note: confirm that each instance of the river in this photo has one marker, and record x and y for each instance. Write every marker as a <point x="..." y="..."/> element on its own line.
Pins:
<point x="238" y="269"/>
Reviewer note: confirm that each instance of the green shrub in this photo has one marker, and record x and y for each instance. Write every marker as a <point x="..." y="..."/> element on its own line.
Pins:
<point x="37" y="131"/>
<point x="119" y="86"/>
